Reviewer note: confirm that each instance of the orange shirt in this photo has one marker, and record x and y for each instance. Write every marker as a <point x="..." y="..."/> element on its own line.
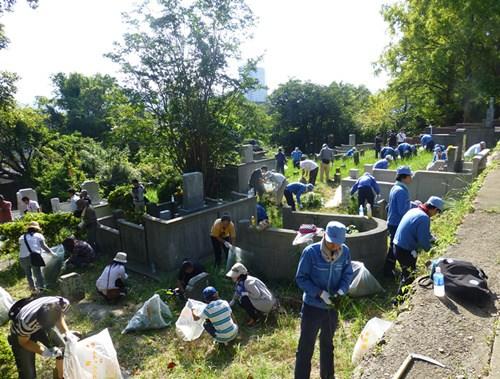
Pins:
<point x="218" y="230"/>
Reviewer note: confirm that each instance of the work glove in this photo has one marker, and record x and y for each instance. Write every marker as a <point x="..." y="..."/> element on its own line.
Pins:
<point x="71" y="338"/>
<point x="433" y="239"/>
<point x="325" y="296"/>
<point x="414" y="253"/>
<point x="231" y="303"/>
<point x="340" y="292"/>
<point x="53" y="352"/>
<point x="244" y="294"/>
<point x="227" y="245"/>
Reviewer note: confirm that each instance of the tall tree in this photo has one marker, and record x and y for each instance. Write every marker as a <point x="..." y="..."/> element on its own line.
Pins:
<point x="177" y="59"/>
<point x="445" y="56"/>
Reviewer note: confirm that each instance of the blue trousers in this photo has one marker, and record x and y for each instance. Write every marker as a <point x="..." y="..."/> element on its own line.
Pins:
<point x="314" y="320"/>
<point x="390" y="259"/>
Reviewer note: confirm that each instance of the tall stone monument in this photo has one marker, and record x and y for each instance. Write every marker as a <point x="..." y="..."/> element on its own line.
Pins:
<point x="352" y="139"/>
<point x="93" y="189"/>
<point x="246" y="153"/>
<point x="193" y="193"/>
<point x="461" y="144"/>
<point x="490" y="113"/>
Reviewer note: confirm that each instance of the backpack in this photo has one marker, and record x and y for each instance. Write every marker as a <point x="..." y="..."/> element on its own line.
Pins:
<point x="463" y="280"/>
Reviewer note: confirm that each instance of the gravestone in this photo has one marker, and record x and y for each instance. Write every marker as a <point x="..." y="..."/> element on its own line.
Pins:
<point x="193" y="192"/>
<point x="461" y="144"/>
<point x="71" y="286"/>
<point x="451" y="153"/>
<point x="352" y="139"/>
<point x="55" y="204"/>
<point x="196" y="285"/>
<point x="354" y="173"/>
<point x="369" y="168"/>
<point x="30" y="193"/>
<point x="93" y="190"/>
<point x="490" y="114"/>
<point x="355" y="157"/>
<point x="246" y="153"/>
<point x="337" y="177"/>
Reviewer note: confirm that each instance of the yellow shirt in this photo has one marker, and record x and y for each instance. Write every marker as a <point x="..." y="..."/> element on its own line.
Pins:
<point x="218" y="230"/>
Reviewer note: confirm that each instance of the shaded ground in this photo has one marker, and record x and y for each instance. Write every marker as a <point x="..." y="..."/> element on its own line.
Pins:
<point x="459" y="336"/>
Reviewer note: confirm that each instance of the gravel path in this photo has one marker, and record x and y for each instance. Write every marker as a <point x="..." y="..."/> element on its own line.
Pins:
<point x="459" y="337"/>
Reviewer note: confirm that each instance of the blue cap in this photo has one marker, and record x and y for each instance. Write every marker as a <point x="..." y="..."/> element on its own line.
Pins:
<point x="437" y="148"/>
<point x="436" y="202"/>
<point x="209" y="292"/>
<point x="404" y="170"/>
<point x="309" y="187"/>
<point x="335" y="232"/>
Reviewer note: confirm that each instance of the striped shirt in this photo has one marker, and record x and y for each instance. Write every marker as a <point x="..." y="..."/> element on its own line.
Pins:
<point x="26" y="323"/>
<point x="218" y="312"/>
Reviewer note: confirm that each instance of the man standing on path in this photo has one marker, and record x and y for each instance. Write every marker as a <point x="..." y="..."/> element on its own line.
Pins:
<point x="280" y="161"/>
<point x="401" y="137"/>
<point x="5" y="210"/>
<point x="326" y="157"/>
<point x="324" y="273"/>
<point x="311" y="168"/>
<point x="296" y="157"/>
<point x="413" y="233"/>
<point x="138" y="191"/>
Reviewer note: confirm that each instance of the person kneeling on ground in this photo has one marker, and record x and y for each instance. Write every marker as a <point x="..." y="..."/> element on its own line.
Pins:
<point x="223" y="235"/>
<point x="217" y="315"/>
<point x="251" y="293"/>
<point x="31" y="333"/>
<point x="111" y="283"/>
<point x="324" y="273"/>
<point x="81" y="254"/>
<point x="189" y="269"/>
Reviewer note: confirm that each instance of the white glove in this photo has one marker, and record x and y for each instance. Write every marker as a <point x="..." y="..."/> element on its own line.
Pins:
<point x="433" y="239"/>
<point x="53" y="352"/>
<point x="340" y="292"/>
<point x="244" y="294"/>
<point x="231" y="303"/>
<point x="325" y="296"/>
<point x="227" y="245"/>
<point x="71" y="338"/>
<point x="414" y="253"/>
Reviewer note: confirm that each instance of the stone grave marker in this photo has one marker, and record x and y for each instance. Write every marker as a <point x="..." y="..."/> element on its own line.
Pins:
<point x="354" y="173"/>
<point x="490" y="114"/>
<point x="352" y="139"/>
<point x="193" y="196"/>
<point x="195" y="287"/>
<point x="55" y="204"/>
<point x="92" y="188"/>
<point x="71" y="286"/>
<point x="246" y="152"/>
<point x="355" y="157"/>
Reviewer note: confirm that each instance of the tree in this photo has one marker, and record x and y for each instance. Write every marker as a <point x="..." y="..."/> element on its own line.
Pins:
<point x="307" y="115"/>
<point x="445" y="57"/>
<point x="177" y="61"/>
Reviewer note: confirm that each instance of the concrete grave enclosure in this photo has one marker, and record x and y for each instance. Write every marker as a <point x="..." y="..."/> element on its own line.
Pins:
<point x="270" y="253"/>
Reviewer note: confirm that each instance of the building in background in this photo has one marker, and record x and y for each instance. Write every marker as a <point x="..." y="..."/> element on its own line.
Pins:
<point x="258" y="95"/>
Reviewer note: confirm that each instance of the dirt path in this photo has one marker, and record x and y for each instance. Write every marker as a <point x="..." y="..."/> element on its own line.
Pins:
<point x="461" y="338"/>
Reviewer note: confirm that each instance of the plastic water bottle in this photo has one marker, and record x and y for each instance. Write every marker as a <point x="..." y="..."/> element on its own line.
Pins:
<point x="253" y="221"/>
<point x="438" y="283"/>
<point x="369" y="210"/>
<point x="361" y="211"/>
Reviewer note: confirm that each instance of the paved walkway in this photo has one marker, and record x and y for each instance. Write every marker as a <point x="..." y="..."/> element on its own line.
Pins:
<point x="464" y="338"/>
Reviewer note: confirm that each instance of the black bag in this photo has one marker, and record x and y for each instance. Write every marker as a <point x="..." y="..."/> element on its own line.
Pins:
<point x="465" y="281"/>
<point x="325" y="161"/>
<point x="35" y="258"/>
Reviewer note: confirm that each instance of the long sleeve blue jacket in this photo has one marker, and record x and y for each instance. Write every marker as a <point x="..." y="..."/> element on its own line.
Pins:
<point x="315" y="274"/>
<point x="381" y="164"/>
<point x="414" y="231"/>
<point x="298" y="189"/>
<point x="388" y="151"/>
<point x="399" y="203"/>
<point x="366" y="180"/>
<point x="403" y="147"/>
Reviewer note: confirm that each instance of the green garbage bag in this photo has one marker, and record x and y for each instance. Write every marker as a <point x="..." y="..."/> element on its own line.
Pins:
<point x="152" y="315"/>
<point x="53" y="265"/>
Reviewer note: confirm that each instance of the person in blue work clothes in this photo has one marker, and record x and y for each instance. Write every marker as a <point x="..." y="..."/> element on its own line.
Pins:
<point x="404" y="150"/>
<point x="350" y="152"/>
<point x="427" y="142"/>
<point x="261" y="213"/>
<point x="383" y="164"/>
<point x="280" y="161"/>
<point x="324" y="273"/>
<point x="399" y="203"/>
<point x="367" y="187"/>
<point x="296" y="157"/>
<point x="413" y="233"/>
<point x="439" y="153"/>
<point x="387" y="150"/>
<point x="296" y="189"/>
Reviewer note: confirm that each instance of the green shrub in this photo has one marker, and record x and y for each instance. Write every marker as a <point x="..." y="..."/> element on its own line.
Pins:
<point x="312" y="200"/>
<point x="121" y="198"/>
<point x="171" y="186"/>
<point x="55" y="227"/>
<point x="7" y="364"/>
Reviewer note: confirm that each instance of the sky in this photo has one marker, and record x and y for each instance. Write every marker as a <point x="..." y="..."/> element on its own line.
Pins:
<point x="316" y="40"/>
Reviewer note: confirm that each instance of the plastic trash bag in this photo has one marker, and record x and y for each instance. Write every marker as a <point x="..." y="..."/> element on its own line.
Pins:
<point x="91" y="358"/>
<point x="370" y="335"/>
<point x="6" y="302"/>
<point x="53" y="265"/>
<point x="363" y="283"/>
<point x="186" y="327"/>
<point x="238" y="255"/>
<point x="152" y="315"/>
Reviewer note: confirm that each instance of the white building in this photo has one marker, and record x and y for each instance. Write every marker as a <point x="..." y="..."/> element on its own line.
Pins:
<point x="258" y="95"/>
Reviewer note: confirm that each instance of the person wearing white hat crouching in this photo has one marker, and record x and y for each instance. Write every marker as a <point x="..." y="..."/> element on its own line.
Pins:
<point x="251" y="293"/>
<point x="111" y="283"/>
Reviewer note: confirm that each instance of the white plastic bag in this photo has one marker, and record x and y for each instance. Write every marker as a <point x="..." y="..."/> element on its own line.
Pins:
<point x="363" y="283"/>
<point x="151" y="316"/>
<point x="6" y="301"/>
<point x="371" y="333"/>
<point x="186" y="327"/>
<point x="92" y="358"/>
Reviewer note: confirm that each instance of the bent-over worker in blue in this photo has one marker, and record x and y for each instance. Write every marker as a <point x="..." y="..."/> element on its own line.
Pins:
<point x="414" y="233"/>
<point x="324" y="272"/>
<point x="367" y="187"/>
<point x="387" y="150"/>
<point x="383" y="164"/>
<point x="404" y="150"/>
<point x="298" y="189"/>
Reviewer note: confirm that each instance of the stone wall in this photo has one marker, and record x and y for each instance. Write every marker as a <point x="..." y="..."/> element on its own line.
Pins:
<point x="108" y="239"/>
<point x="168" y="242"/>
<point x="133" y="241"/>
